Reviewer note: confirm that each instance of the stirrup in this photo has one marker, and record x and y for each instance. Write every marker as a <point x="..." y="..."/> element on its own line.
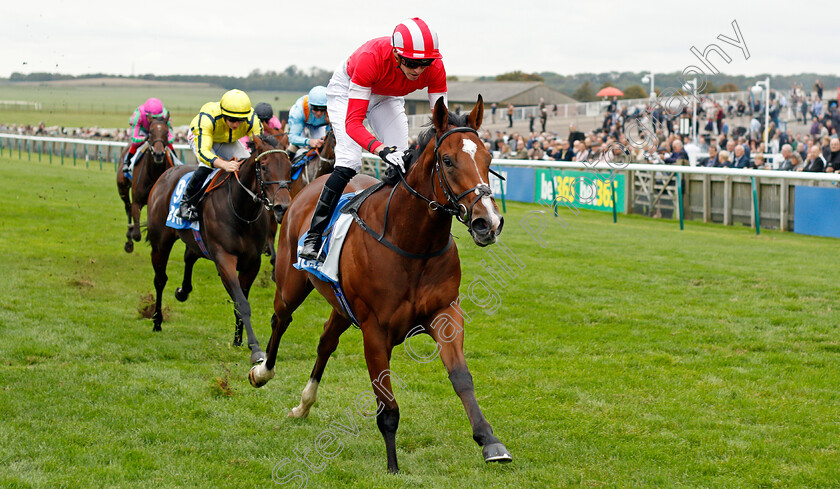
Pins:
<point x="187" y="212"/>
<point x="311" y="249"/>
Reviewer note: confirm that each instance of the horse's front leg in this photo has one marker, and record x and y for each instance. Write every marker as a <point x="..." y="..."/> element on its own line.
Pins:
<point x="135" y="216"/>
<point x="378" y="358"/>
<point x="447" y="329"/>
<point x="226" y="264"/>
<point x="269" y="245"/>
<point x="333" y="328"/>
<point x="292" y="289"/>
<point x="125" y="195"/>
<point x="161" y="247"/>
<point x="248" y="270"/>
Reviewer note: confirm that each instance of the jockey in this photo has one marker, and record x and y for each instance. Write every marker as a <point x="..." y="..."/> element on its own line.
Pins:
<point x="309" y="112"/>
<point x="265" y="113"/>
<point x="371" y="83"/>
<point x="140" y="121"/>
<point x="214" y="138"/>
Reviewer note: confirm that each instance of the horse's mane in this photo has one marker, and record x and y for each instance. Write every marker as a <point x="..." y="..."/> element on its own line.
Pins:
<point x="270" y="140"/>
<point x="425" y="137"/>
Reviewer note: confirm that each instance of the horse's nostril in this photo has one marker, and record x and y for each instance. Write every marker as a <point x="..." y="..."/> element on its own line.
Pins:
<point x="480" y="225"/>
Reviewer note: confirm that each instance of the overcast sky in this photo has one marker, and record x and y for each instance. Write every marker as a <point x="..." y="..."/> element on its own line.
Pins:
<point x="476" y="38"/>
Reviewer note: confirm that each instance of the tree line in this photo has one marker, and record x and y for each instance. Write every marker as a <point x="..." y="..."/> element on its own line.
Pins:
<point x="290" y="79"/>
<point x="584" y="86"/>
<point x="580" y="86"/>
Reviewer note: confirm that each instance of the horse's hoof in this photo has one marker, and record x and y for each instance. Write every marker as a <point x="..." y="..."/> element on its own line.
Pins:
<point x="181" y="295"/>
<point x="298" y="412"/>
<point x="259" y="375"/>
<point x="129" y="246"/>
<point x="496" y="452"/>
<point x="157" y="328"/>
<point x="257" y="357"/>
<point x="237" y="342"/>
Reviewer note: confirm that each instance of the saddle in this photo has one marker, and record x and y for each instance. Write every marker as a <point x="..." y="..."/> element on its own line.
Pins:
<point x="300" y="161"/>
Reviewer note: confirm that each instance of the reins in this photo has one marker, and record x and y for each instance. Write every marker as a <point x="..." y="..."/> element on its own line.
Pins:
<point x="453" y="207"/>
<point x="262" y="198"/>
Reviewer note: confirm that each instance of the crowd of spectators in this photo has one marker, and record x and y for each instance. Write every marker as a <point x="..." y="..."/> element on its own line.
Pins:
<point x="121" y="134"/>
<point x="719" y="145"/>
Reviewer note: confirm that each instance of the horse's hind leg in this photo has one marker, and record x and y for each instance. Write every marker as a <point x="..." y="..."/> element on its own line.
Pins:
<point x="333" y="328"/>
<point x="182" y="293"/>
<point x="447" y="330"/>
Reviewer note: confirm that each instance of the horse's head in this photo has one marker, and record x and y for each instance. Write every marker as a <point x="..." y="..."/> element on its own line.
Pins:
<point x="327" y="151"/>
<point x="460" y="175"/>
<point x="158" y="139"/>
<point x="274" y="173"/>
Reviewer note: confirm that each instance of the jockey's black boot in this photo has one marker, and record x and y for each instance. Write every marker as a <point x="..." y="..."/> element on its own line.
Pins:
<point x="127" y="161"/>
<point x="323" y="212"/>
<point x="187" y="209"/>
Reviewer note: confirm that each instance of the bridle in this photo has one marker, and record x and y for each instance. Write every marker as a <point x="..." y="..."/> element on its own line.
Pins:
<point x="158" y="158"/>
<point x="262" y="198"/>
<point x="453" y="205"/>
<point x="329" y="161"/>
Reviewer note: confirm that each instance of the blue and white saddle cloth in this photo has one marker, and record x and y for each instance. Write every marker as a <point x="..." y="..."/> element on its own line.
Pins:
<point x="332" y="243"/>
<point x="172" y="220"/>
<point x="300" y="163"/>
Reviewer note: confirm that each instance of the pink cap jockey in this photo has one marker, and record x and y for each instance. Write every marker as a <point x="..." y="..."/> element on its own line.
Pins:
<point x="141" y="119"/>
<point x="153" y="107"/>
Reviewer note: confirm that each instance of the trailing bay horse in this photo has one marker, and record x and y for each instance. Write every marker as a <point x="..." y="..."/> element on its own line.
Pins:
<point x="233" y="224"/>
<point x="149" y="167"/>
<point x="412" y="280"/>
<point x="321" y="164"/>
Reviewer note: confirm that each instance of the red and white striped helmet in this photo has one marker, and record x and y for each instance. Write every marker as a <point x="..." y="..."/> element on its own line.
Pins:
<point x="414" y="39"/>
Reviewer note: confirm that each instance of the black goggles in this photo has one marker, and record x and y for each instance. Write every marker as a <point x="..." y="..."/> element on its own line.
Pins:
<point x="319" y="108"/>
<point x="413" y="64"/>
<point x="234" y="119"/>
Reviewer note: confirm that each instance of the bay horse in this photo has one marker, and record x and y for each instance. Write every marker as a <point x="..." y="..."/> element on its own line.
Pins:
<point x="149" y="167"/>
<point x="233" y="229"/>
<point x="412" y="282"/>
<point x="321" y="164"/>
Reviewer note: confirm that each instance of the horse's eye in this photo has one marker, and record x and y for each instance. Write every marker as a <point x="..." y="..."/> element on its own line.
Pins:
<point x="447" y="161"/>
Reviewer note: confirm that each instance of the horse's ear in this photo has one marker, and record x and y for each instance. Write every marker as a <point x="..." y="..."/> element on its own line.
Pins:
<point x="440" y="116"/>
<point x="477" y="115"/>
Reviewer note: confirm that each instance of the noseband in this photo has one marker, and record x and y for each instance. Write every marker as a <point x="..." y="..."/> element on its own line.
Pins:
<point x="157" y="157"/>
<point x="457" y="209"/>
<point x="262" y="198"/>
<point x="452" y="206"/>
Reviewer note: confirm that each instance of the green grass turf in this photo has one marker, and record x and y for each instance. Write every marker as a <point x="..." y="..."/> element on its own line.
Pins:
<point x="111" y="106"/>
<point x="622" y="355"/>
